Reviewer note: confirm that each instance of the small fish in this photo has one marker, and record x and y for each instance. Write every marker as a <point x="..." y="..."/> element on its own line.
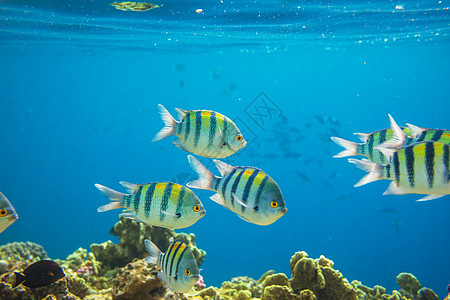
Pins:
<point x="246" y="191"/>
<point x="7" y="213"/>
<point x="162" y="204"/>
<point x="38" y="274"/>
<point x="421" y="168"/>
<point x="369" y="146"/>
<point x="203" y="132"/>
<point x="134" y="6"/>
<point x="179" y="269"/>
<point x="417" y="135"/>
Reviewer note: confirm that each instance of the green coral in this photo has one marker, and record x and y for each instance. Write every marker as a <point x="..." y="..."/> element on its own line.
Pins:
<point x="22" y="251"/>
<point x="409" y="285"/>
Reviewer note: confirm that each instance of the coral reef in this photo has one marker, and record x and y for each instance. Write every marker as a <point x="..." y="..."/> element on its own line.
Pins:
<point x="22" y="251"/>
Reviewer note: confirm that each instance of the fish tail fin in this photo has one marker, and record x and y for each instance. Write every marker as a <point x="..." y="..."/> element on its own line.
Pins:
<point x="153" y="252"/>
<point x="351" y="148"/>
<point x="19" y="279"/>
<point x="115" y="198"/>
<point x="170" y="124"/>
<point x="205" y="176"/>
<point x="373" y="169"/>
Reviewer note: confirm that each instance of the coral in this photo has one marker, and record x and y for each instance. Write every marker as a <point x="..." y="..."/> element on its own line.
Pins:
<point x="409" y="285"/>
<point x="296" y="257"/>
<point x="208" y="293"/>
<point x="307" y="295"/>
<point x="22" y="251"/>
<point x="426" y="294"/>
<point x="75" y="260"/>
<point x="277" y="292"/>
<point x="368" y="293"/>
<point x="237" y="284"/>
<point x="307" y="274"/>
<point x="77" y="285"/>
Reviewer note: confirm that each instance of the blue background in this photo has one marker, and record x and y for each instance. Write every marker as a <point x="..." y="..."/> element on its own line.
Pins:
<point x="79" y="88"/>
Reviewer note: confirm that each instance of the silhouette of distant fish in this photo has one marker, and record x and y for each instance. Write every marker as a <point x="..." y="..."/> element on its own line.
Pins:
<point x="39" y="274"/>
<point x="7" y="213"/>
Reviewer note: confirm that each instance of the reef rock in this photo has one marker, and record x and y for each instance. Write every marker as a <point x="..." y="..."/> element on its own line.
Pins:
<point x="22" y="251"/>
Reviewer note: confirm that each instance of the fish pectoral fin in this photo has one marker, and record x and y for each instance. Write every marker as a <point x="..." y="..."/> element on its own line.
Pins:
<point x="130" y="215"/>
<point x="393" y="189"/>
<point x="178" y="143"/>
<point x="169" y="214"/>
<point x="244" y="218"/>
<point x="429" y="197"/>
<point x="218" y="199"/>
<point x="236" y="198"/>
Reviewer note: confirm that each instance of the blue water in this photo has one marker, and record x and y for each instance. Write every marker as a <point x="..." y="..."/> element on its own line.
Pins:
<point x="79" y="88"/>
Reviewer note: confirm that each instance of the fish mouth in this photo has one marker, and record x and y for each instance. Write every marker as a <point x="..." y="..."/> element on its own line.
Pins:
<point x="284" y="210"/>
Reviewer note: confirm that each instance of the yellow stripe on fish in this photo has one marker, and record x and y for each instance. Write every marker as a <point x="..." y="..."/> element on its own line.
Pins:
<point x="163" y="204"/>
<point x="203" y="132"/>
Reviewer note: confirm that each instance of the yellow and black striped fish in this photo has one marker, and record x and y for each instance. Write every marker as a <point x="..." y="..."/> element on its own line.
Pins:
<point x="179" y="269"/>
<point x="421" y="168"/>
<point x="203" y="132"/>
<point x="163" y="204"/>
<point x="246" y="191"/>
<point x="368" y="147"/>
<point x="418" y="134"/>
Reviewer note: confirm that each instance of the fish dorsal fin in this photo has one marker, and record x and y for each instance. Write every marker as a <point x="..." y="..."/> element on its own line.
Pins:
<point x="223" y="168"/>
<point x="362" y="136"/>
<point x="387" y="152"/>
<point x="181" y="113"/>
<point x="131" y="187"/>
<point x="415" y="131"/>
<point x="429" y="197"/>
<point x="397" y="140"/>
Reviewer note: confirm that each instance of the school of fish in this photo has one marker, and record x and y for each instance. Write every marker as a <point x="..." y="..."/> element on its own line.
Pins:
<point x="415" y="159"/>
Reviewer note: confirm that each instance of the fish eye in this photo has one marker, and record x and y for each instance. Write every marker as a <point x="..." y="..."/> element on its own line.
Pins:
<point x="3" y="212"/>
<point x="274" y="204"/>
<point x="196" y="208"/>
<point x="187" y="272"/>
<point x="239" y="138"/>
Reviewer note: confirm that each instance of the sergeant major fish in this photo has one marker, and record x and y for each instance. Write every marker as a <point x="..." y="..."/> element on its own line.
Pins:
<point x="162" y="204"/>
<point x="246" y="191"/>
<point x="418" y="134"/>
<point x="179" y="269"/>
<point x="421" y="168"/>
<point x="7" y="213"/>
<point x="368" y="147"/>
<point x="203" y="132"/>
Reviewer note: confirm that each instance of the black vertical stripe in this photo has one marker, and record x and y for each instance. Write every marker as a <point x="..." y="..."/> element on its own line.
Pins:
<point x="198" y="127"/>
<point x="437" y="135"/>
<point x="167" y="257"/>
<point x="381" y="140"/>
<point x="188" y="126"/>
<point x="388" y="171"/>
<point x="171" y="258"/>
<point x="137" y="198"/>
<point x="215" y="184"/>
<point x="446" y="162"/>
<point x="148" y="199"/>
<point x="370" y="145"/>
<point x="429" y="163"/>
<point x="235" y="185"/>
<point x="225" y="129"/>
<point x="179" y="127"/>
<point x="409" y="155"/>
<point x="422" y="136"/>
<point x="260" y="189"/>
<point x="180" y="199"/>
<point x="165" y="201"/>
<point x="212" y="129"/>
<point x="248" y="186"/>
<point x="396" y="167"/>
<point x="226" y="181"/>
<point x="180" y="258"/>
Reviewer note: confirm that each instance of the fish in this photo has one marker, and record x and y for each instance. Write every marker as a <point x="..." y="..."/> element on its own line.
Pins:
<point x="8" y="214"/>
<point x="417" y="135"/>
<point x="202" y="132"/>
<point x="39" y="274"/>
<point x="134" y="6"/>
<point x="163" y="204"/>
<point x="368" y="147"/>
<point x="247" y="191"/>
<point x="179" y="269"/>
<point x="421" y="168"/>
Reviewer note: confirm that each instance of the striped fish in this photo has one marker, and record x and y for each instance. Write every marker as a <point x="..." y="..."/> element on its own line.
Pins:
<point x="163" y="204"/>
<point x="418" y="134"/>
<point x="203" y="132"/>
<point x="369" y="146"/>
<point x="421" y="168"/>
<point x="8" y="214"/>
<point x="246" y="191"/>
<point x="179" y="269"/>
